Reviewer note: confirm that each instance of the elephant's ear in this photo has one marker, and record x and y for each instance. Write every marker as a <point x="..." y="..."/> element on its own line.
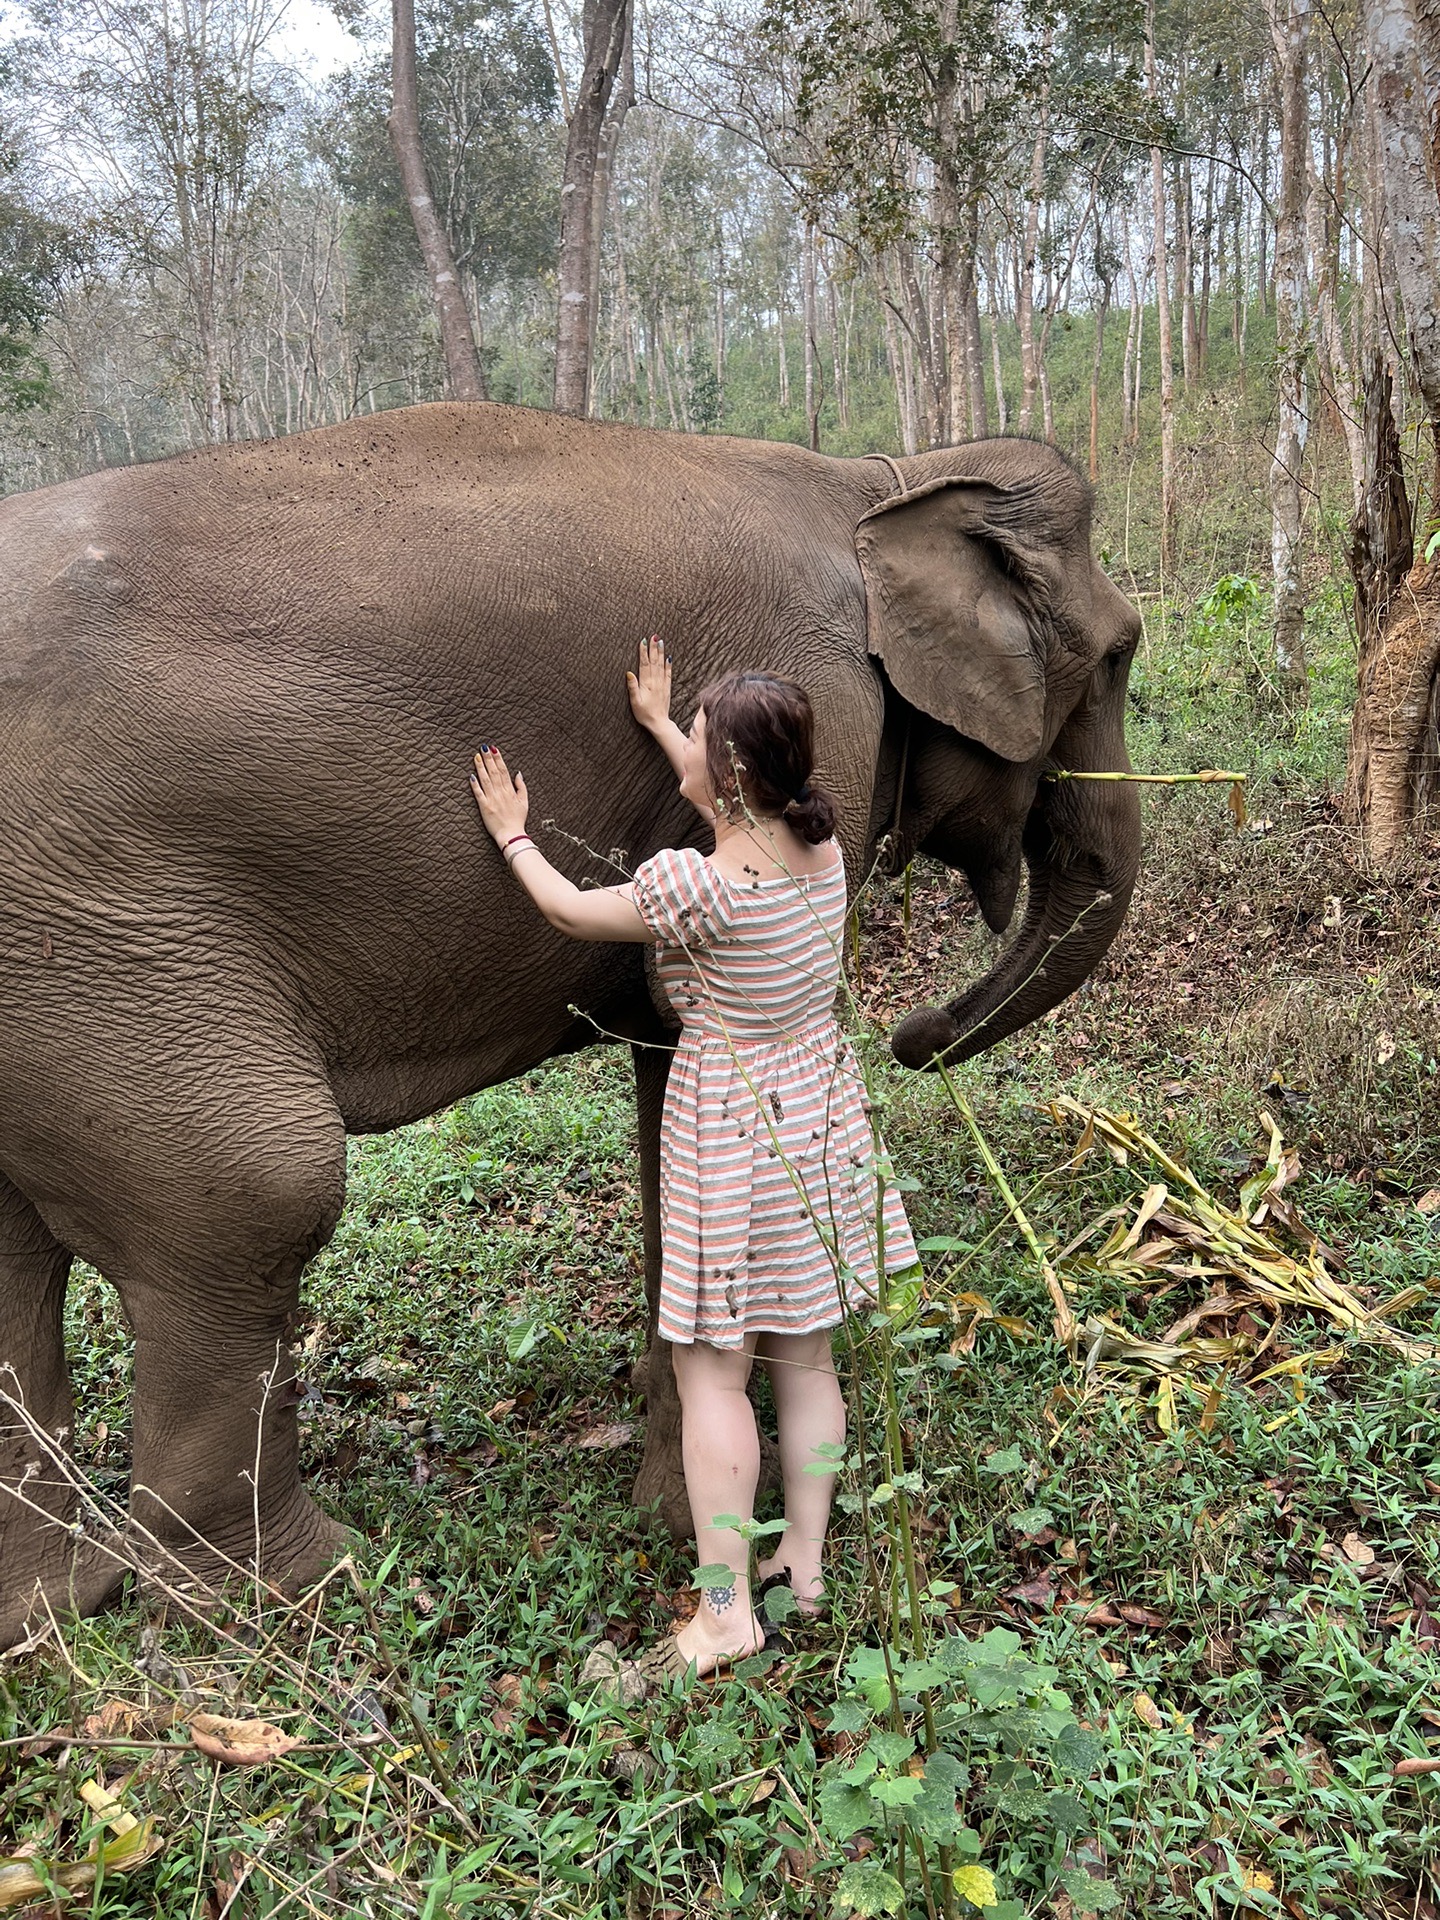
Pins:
<point x="947" y="604"/>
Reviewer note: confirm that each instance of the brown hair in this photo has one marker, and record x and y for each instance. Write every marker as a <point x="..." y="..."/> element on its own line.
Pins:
<point x="763" y="729"/>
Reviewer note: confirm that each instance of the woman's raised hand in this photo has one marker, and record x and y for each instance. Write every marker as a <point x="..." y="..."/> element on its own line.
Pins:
<point x="649" y="685"/>
<point x="503" y="802"/>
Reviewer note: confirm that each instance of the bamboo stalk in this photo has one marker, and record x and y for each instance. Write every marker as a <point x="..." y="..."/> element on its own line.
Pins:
<point x="1207" y="777"/>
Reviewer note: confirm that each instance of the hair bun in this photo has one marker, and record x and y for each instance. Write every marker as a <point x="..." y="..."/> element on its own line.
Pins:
<point x="812" y="813"/>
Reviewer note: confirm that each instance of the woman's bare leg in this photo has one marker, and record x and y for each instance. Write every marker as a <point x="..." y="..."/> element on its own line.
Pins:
<point x="721" y="1451"/>
<point x="811" y="1412"/>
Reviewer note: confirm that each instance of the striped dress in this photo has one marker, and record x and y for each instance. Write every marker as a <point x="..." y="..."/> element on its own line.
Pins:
<point x="767" y="1161"/>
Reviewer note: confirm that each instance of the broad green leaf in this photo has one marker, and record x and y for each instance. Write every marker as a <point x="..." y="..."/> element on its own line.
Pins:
<point x="845" y="1810"/>
<point x="520" y="1340"/>
<point x="1066" y="1813"/>
<point x="1032" y="1520"/>
<point x="891" y="1749"/>
<point x="780" y="1605"/>
<point x="1077" y="1751"/>
<point x="869" y="1890"/>
<point x="942" y="1243"/>
<point x="848" y="1716"/>
<point x="999" y="1644"/>
<point x="1007" y="1460"/>
<point x="1089" y="1896"/>
<point x="865" y="1670"/>
<point x="977" y="1885"/>
<point x="863" y="1767"/>
<point x="755" y="1664"/>
<point x="715" y="1575"/>
<point x="917" y="1676"/>
<point x="902" y="1791"/>
<point x="934" y="1812"/>
<point x="1020" y="1803"/>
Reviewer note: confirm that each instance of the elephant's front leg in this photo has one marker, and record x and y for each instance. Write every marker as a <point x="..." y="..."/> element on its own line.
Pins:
<point x="37" y="1502"/>
<point x="660" y="1483"/>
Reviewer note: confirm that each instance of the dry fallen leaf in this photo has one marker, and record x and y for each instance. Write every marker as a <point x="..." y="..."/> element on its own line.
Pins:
<point x="750" y="1793"/>
<point x="1407" y="1769"/>
<point x="239" y="1743"/>
<point x="1357" y="1552"/>
<point x="1384" y="1047"/>
<point x="1141" y="1616"/>
<point x="1102" y="1616"/>
<point x="619" y="1433"/>
<point x="119" y="1717"/>
<point x="1146" y="1710"/>
<point x="20" y="1882"/>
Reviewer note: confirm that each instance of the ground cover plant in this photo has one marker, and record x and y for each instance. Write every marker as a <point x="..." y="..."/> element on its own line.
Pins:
<point x="1092" y="1648"/>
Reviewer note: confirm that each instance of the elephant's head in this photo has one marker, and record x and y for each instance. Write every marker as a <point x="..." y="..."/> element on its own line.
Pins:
<point x="1007" y="653"/>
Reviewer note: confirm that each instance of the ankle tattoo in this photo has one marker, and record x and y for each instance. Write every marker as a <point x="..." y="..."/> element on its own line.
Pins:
<point x="722" y="1598"/>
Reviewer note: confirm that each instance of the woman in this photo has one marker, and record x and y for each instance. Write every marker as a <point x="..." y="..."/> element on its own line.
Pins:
<point x="768" y="1182"/>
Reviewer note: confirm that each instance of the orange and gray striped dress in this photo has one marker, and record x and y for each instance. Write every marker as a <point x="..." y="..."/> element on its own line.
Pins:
<point x="767" y="1162"/>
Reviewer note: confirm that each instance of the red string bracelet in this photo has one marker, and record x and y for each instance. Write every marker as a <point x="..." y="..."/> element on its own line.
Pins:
<point x="511" y="841"/>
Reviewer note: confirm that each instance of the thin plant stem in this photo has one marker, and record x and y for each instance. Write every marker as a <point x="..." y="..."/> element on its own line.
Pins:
<point x="1066" y="1331"/>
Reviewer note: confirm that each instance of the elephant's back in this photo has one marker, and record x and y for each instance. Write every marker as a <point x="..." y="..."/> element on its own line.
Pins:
<point x="263" y="667"/>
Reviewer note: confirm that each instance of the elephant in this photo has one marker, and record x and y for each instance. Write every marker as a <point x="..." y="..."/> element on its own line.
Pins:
<point x="246" y="906"/>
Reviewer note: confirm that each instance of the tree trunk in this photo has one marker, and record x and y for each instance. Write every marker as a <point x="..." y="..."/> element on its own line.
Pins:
<point x="1392" y="731"/>
<point x="967" y="288"/>
<point x="1130" y="370"/>
<point x="1185" y="273"/>
<point x="1289" y="26"/>
<point x="1025" y="300"/>
<point x="900" y="365"/>
<point x="814" y="398"/>
<point x="1002" y="410"/>
<point x="1162" y="307"/>
<point x="606" y="23"/>
<point x="1323" y="239"/>
<point x="932" y="371"/>
<point x="783" y="365"/>
<point x="1207" y="256"/>
<point x="621" y="101"/>
<point x="457" y="338"/>
<point x="1095" y="364"/>
<point x="837" y="361"/>
<point x="1398" y="50"/>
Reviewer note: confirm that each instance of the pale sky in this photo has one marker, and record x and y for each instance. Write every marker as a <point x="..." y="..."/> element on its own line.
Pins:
<point x="314" y="41"/>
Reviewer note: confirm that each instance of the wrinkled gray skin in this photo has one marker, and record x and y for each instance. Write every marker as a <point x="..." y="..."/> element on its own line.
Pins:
<point x="246" y="906"/>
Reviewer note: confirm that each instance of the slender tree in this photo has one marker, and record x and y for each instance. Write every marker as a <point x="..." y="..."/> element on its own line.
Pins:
<point x="457" y="335"/>
<point x="1162" y="311"/>
<point x="1290" y="26"/>
<point x="606" y="25"/>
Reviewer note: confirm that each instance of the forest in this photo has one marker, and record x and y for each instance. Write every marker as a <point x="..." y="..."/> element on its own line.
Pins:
<point x="1134" y="1604"/>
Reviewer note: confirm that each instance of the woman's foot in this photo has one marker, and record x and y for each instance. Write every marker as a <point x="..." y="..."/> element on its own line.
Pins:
<point x="806" y="1583"/>
<point x="722" y="1628"/>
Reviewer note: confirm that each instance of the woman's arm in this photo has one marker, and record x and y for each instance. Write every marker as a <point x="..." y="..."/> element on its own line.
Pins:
<point x="605" y="913"/>
<point x="649" y="690"/>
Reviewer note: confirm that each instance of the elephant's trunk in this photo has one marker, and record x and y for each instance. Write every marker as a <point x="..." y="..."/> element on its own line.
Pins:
<point x="1082" y="847"/>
